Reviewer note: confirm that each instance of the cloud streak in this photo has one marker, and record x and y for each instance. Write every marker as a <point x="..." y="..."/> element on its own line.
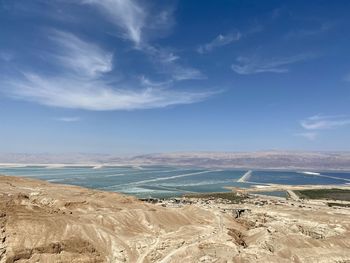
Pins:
<point x="80" y="83"/>
<point x="314" y="125"/>
<point x="319" y="122"/>
<point x="255" y="65"/>
<point x="83" y="71"/>
<point x="219" y="41"/>
<point x="96" y="95"/>
<point x="128" y="15"/>
<point x="68" y="119"/>
<point x="76" y="55"/>
<point x="168" y="63"/>
<point x="136" y="20"/>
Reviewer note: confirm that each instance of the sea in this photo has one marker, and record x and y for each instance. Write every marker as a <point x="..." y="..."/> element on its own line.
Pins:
<point x="169" y="181"/>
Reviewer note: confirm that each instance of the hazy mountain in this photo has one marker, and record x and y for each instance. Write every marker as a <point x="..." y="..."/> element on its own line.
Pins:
<point x="266" y="159"/>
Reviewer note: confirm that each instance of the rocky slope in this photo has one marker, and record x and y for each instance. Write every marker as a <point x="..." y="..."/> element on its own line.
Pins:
<point x="43" y="222"/>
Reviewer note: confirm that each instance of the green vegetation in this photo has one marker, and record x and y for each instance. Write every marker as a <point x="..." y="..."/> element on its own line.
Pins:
<point x="232" y="197"/>
<point x="332" y="194"/>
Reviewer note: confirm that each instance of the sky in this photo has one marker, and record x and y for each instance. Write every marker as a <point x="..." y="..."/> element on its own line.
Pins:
<point x="131" y="77"/>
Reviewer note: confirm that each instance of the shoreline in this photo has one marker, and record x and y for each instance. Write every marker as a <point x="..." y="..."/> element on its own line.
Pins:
<point x="85" y="224"/>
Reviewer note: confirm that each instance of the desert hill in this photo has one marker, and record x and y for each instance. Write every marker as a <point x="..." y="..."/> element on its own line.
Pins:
<point x="43" y="222"/>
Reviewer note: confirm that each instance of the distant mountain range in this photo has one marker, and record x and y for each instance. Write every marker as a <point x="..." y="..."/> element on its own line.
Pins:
<point x="252" y="160"/>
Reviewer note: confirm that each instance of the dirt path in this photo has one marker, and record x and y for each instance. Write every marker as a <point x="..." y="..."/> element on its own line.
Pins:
<point x="142" y="257"/>
<point x="293" y="195"/>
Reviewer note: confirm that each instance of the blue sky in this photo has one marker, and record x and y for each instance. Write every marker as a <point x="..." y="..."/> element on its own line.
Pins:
<point x="128" y="77"/>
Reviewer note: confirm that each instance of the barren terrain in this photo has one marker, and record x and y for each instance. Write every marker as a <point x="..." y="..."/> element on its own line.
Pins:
<point x="43" y="222"/>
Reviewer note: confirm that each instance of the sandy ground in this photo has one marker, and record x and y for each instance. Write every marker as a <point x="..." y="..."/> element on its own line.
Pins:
<point x="43" y="222"/>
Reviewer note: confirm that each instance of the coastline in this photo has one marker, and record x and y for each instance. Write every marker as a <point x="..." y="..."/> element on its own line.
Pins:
<point x="96" y="226"/>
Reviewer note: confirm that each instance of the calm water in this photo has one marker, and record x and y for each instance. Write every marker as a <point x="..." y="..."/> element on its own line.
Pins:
<point x="167" y="181"/>
<point x="296" y="178"/>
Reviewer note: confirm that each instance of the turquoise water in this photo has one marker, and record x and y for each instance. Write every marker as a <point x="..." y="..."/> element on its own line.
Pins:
<point x="338" y="174"/>
<point x="296" y="178"/>
<point x="160" y="181"/>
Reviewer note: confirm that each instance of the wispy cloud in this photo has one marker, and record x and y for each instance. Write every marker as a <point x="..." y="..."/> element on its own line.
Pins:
<point x="219" y="41"/>
<point x="80" y="56"/>
<point x="137" y="20"/>
<point x="96" y="95"/>
<point x="68" y="119"/>
<point x="79" y="82"/>
<point x="83" y="70"/>
<point x="310" y="32"/>
<point x="151" y="83"/>
<point x="185" y="73"/>
<point x="320" y="122"/>
<point x="314" y="125"/>
<point x="168" y="63"/>
<point x="128" y="15"/>
<point x="134" y="19"/>
<point x="308" y="135"/>
<point x="254" y="65"/>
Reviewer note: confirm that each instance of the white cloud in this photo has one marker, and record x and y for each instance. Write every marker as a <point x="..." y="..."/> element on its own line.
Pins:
<point x="96" y="95"/>
<point x="219" y="41"/>
<point x="319" y="122"/>
<point x="185" y="73"/>
<point x="168" y="57"/>
<point x="168" y="63"/>
<point x="79" y="82"/>
<point x="151" y="83"/>
<point x="68" y="119"/>
<point x="256" y="65"/>
<point x="81" y="67"/>
<point x="135" y="19"/>
<point x="128" y="15"/>
<point x="84" y="58"/>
